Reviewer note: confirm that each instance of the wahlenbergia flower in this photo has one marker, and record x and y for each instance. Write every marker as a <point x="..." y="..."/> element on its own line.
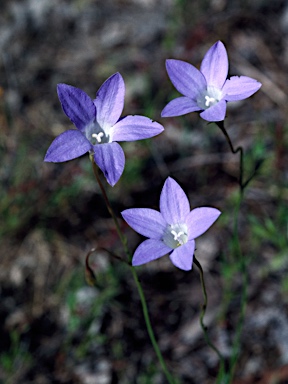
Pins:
<point x="206" y="90"/>
<point x="99" y="127"/>
<point x="173" y="230"/>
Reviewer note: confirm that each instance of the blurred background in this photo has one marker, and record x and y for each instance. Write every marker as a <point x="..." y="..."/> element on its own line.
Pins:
<point x="54" y="328"/>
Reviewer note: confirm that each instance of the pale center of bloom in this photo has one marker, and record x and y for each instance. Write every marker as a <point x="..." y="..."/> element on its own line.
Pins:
<point x="95" y="134"/>
<point x="209" y="97"/>
<point x="175" y="235"/>
<point x="209" y="100"/>
<point x="98" y="136"/>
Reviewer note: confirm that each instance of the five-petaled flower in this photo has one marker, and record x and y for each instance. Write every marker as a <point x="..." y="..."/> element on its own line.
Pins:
<point x="172" y="230"/>
<point x="207" y="90"/>
<point x="99" y="127"/>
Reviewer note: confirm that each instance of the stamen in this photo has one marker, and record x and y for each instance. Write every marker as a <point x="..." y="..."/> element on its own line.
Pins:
<point x="98" y="136"/>
<point x="209" y="100"/>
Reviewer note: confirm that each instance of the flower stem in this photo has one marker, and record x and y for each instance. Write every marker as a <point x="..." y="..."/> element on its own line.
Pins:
<point x="238" y="254"/>
<point x="234" y="151"/>
<point x="244" y="295"/>
<point x="110" y="209"/>
<point x="149" y="327"/>
<point x="203" y="311"/>
<point x="136" y="279"/>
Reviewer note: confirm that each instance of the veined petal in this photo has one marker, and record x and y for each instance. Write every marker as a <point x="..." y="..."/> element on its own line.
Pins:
<point x="182" y="257"/>
<point x="111" y="160"/>
<point x="77" y="105"/>
<point x="216" y="112"/>
<point x="187" y="79"/>
<point x="110" y="101"/>
<point x="180" y="106"/>
<point x="239" y="88"/>
<point x="149" y="250"/>
<point x="146" y="221"/>
<point x="215" y="65"/>
<point x="67" y="146"/>
<point x="200" y="219"/>
<point x="132" y="128"/>
<point x="174" y="204"/>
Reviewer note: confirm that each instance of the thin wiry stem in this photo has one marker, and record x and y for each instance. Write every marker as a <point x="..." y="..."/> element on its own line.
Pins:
<point x="244" y="295"/>
<point x="110" y="209"/>
<point x="136" y="279"/>
<point x="238" y="253"/>
<point x="203" y="311"/>
<point x="149" y="328"/>
<point x="234" y="151"/>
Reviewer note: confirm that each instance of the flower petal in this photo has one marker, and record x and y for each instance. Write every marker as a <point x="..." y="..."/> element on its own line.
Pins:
<point x="182" y="257"/>
<point x="200" y="219"/>
<point x="239" y="88"/>
<point x="215" y="65"/>
<point x="216" y="112"/>
<point x="77" y="105"/>
<point x="187" y="79"/>
<point x="149" y="250"/>
<point x="67" y="146"/>
<point x="147" y="222"/>
<point x="132" y="128"/>
<point x="180" y="106"/>
<point x="111" y="160"/>
<point x="110" y="101"/>
<point x="174" y="204"/>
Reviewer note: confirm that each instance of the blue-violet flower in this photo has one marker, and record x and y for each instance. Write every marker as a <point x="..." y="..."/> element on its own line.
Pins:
<point x="207" y="90"/>
<point x="99" y="127"/>
<point x="173" y="230"/>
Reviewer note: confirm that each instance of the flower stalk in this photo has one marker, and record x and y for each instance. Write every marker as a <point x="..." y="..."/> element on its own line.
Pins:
<point x="110" y="209"/>
<point x="238" y="254"/>
<point x="149" y="327"/>
<point x="202" y="315"/>
<point x="135" y="277"/>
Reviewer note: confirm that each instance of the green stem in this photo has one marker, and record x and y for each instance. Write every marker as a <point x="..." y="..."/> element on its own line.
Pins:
<point x="110" y="209"/>
<point x="137" y="282"/>
<point x="149" y="327"/>
<point x="238" y="254"/>
<point x="243" y="303"/>
<point x="234" y="151"/>
<point x="202" y="314"/>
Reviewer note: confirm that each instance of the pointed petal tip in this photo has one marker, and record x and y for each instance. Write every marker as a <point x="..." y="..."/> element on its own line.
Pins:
<point x="67" y="146"/>
<point x="47" y="158"/>
<point x="110" y="159"/>
<point x="200" y="220"/>
<point x="182" y="257"/>
<point x="240" y="88"/>
<point x="135" y="127"/>
<point x="219" y="43"/>
<point x="186" y="78"/>
<point x="109" y="100"/>
<point x="149" y="250"/>
<point x="180" y="106"/>
<point x="116" y="76"/>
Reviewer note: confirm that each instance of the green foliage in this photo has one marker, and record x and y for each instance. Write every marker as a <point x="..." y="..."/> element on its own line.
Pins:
<point x="16" y="357"/>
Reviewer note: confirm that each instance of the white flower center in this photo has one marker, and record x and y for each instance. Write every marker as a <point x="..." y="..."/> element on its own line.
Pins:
<point x="95" y="134"/>
<point x="98" y="136"/>
<point x="175" y="235"/>
<point x="209" y="97"/>
<point x="209" y="100"/>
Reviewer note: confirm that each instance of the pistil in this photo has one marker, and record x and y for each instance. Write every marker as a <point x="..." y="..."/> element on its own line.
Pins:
<point x="209" y="100"/>
<point x="98" y="136"/>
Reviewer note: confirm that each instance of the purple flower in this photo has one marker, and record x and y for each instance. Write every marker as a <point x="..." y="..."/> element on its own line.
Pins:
<point x="99" y="127"/>
<point x="207" y="90"/>
<point x="173" y="230"/>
